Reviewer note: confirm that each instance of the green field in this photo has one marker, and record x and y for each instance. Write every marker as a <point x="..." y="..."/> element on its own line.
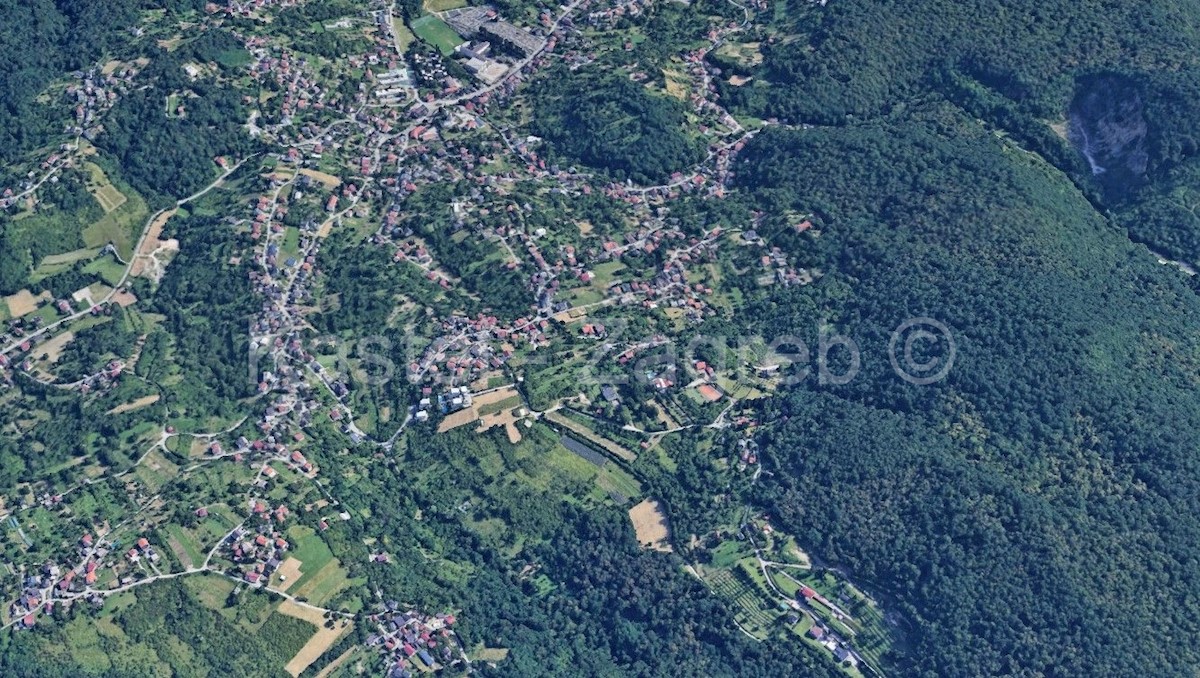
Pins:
<point x="107" y="268"/>
<point x="291" y="243"/>
<point x="156" y="471"/>
<point x="404" y="37"/>
<point x="443" y="5"/>
<point x="435" y="31"/>
<point x="748" y="606"/>
<point x="120" y="226"/>
<point x="188" y="543"/>
<point x="613" y="480"/>
<point x="234" y="58"/>
<point x="321" y="574"/>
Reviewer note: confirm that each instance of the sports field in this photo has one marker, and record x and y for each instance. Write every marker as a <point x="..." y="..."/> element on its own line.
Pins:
<point x="435" y="31"/>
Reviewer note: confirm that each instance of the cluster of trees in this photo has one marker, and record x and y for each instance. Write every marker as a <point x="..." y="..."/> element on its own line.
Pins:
<point x="92" y="348"/>
<point x="862" y="58"/>
<point x="207" y="304"/>
<point x="165" y="156"/>
<point x="64" y="209"/>
<point x="1054" y="465"/>
<point x="607" y="121"/>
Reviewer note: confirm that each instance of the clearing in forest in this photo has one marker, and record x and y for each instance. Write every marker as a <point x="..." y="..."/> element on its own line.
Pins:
<point x="651" y="525"/>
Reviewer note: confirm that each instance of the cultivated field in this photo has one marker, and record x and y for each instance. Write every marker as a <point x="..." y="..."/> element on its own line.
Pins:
<point x="23" y="303"/>
<point x="322" y="640"/>
<point x="51" y="350"/>
<point x="591" y="436"/>
<point x="121" y="222"/>
<point x="103" y="190"/>
<point x="442" y="5"/>
<point x="329" y="180"/>
<point x="138" y="404"/>
<point x="287" y="574"/>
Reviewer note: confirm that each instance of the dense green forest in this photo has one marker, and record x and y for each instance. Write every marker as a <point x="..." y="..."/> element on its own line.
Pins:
<point x="167" y="157"/>
<point x="1033" y="512"/>
<point x="1021" y="66"/>
<point x="607" y="121"/>
<point x="207" y="304"/>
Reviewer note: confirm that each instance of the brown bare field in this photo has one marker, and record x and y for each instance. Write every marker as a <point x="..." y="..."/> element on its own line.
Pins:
<point x="456" y="419"/>
<point x="134" y="405"/>
<point x="290" y="568"/>
<point x="676" y="83"/>
<point x="739" y="80"/>
<point x="481" y="383"/>
<point x="124" y="299"/>
<point x="321" y="640"/>
<point x="151" y="242"/>
<point x="497" y="396"/>
<point x="470" y="414"/>
<point x="327" y="179"/>
<point x="154" y="254"/>
<point x="650" y="525"/>
<point x="325" y="229"/>
<point x="506" y="419"/>
<point x="24" y="303"/>
<point x="51" y="350"/>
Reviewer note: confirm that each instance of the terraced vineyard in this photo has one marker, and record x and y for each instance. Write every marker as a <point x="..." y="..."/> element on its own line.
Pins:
<point x="747" y="603"/>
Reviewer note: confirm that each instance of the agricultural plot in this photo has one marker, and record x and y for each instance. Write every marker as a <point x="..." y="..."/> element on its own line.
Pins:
<point x="102" y="189"/>
<point x="322" y="576"/>
<point x="120" y="226"/>
<point x="106" y="268"/>
<point x="650" y="524"/>
<point x="185" y="546"/>
<point x="156" y="471"/>
<point x="746" y="603"/>
<point x="857" y="616"/>
<point x="404" y="36"/>
<point x="316" y="645"/>
<point x="591" y="436"/>
<point x="24" y="302"/>
<point x="433" y="6"/>
<point x="618" y="484"/>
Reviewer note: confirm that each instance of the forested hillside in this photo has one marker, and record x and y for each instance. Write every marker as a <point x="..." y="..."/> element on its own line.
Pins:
<point x="1034" y="512"/>
<point x="1021" y="66"/>
<point x="38" y="41"/>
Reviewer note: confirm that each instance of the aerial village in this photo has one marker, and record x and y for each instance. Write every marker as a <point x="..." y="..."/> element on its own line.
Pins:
<point x="355" y="160"/>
